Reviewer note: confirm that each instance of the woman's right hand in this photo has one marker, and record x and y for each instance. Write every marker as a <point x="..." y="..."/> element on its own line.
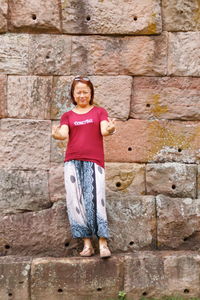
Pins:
<point x="60" y="132"/>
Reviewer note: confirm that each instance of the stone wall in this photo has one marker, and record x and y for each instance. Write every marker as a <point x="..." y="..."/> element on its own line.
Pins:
<point x="143" y="57"/>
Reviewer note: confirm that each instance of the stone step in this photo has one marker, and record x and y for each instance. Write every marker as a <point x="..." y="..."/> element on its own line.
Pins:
<point x="139" y="274"/>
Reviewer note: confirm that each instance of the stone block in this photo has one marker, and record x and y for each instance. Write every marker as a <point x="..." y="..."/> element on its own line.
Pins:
<point x="49" y="54"/>
<point x="33" y="99"/>
<point x="97" y="55"/>
<point x="132" y="222"/>
<point x="144" y="275"/>
<point x="15" y="278"/>
<point x="34" y="15"/>
<point x="128" y="178"/>
<point x="172" y="179"/>
<point x="166" y="98"/>
<point x="152" y="60"/>
<point x="154" y="141"/>
<point x="111" y="92"/>
<point x="76" y="278"/>
<point x="41" y="233"/>
<point x="56" y="183"/>
<point x="181" y="15"/>
<point x="22" y="191"/>
<point x="14" y="53"/>
<point x="178" y="221"/>
<point x="162" y="274"/>
<point x="3" y="96"/>
<point x="184" y="54"/>
<point x="108" y="17"/>
<point x="198" y="181"/>
<point x="3" y="15"/>
<point x="25" y="144"/>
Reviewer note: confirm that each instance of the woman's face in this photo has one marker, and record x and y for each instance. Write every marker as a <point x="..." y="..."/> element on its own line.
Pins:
<point x="82" y="94"/>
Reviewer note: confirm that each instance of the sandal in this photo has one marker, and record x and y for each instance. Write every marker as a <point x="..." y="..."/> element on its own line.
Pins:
<point x="87" y="251"/>
<point x="104" y="251"/>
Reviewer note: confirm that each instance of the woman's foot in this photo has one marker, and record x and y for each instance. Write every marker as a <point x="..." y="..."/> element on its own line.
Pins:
<point x="87" y="251"/>
<point x="103" y="248"/>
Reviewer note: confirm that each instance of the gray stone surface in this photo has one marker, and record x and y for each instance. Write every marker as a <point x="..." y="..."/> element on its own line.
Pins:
<point x="3" y="96"/>
<point x="132" y="222"/>
<point x="22" y="191"/>
<point x="33" y="99"/>
<point x="25" y="144"/>
<point x="172" y="179"/>
<point x="3" y="15"/>
<point x="76" y="278"/>
<point x="49" y="54"/>
<point x="15" y="278"/>
<point x="178" y="221"/>
<point x="111" y="17"/>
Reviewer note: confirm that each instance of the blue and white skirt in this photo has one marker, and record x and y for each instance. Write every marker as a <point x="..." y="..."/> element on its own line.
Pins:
<point x="85" y="196"/>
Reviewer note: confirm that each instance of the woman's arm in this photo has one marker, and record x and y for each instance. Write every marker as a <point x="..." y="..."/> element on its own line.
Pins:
<point x="107" y="127"/>
<point x="60" y="132"/>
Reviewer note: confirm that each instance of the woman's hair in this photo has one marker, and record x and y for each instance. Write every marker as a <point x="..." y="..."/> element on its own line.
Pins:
<point x="85" y="80"/>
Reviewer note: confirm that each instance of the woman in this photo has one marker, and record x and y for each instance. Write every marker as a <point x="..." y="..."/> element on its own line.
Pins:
<point x="84" y="128"/>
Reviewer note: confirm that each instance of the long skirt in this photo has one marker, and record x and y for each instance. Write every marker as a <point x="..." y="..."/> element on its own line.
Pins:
<point x="85" y="197"/>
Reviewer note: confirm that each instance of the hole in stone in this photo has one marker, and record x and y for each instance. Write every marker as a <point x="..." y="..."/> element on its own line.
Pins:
<point x="148" y="105"/>
<point x="34" y="17"/>
<point x="21" y="282"/>
<point x="135" y="18"/>
<point x="60" y="290"/>
<point x="10" y="294"/>
<point x="66" y="244"/>
<point x="186" y="291"/>
<point x="144" y="293"/>
<point x="99" y="289"/>
<point x="118" y="184"/>
<point x="7" y="246"/>
<point x="185" y="238"/>
<point x="179" y="149"/>
<point x="129" y="149"/>
<point x="131" y="243"/>
<point x="88" y="18"/>
<point x="173" y="186"/>
<point x="47" y="56"/>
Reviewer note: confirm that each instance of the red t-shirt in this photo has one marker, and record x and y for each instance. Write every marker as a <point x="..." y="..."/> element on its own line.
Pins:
<point x="85" y="138"/>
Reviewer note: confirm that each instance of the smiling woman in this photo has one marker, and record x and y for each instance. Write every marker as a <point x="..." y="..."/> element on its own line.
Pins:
<point x="84" y="128"/>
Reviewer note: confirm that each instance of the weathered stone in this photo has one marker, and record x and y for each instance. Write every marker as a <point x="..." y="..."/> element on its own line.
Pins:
<point x="111" y="92"/>
<point x="184" y="54"/>
<point x="152" y="60"/>
<point x="22" y="191"/>
<point x="161" y="274"/>
<point x="125" y="177"/>
<point x="108" y="17"/>
<point x="3" y="96"/>
<point x="181" y="15"/>
<point x="198" y="181"/>
<point x="25" y="144"/>
<point x="34" y="15"/>
<point x="153" y="140"/>
<point x="49" y="54"/>
<point x="33" y="98"/>
<point x="144" y="275"/>
<point x="166" y="98"/>
<point x="76" y="278"/>
<point x="42" y="233"/>
<point x="113" y="55"/>
<point x="15" y="278"/>
<point x="172" y="179"/>
<point x="132" y="221"/>
<point x="3" y="15"/>
<point x="178" y="221"/>
<point x="14" y="53"/>
<point x="56" y="182"/>
<point x="95" y="55"/>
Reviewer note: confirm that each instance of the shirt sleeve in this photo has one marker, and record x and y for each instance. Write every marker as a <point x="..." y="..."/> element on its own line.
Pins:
<point x="64" y="120"/>
<point x="103" y="114"/>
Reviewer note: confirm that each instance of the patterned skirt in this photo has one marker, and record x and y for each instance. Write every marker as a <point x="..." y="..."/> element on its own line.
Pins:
<point x="85" y="196"/>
